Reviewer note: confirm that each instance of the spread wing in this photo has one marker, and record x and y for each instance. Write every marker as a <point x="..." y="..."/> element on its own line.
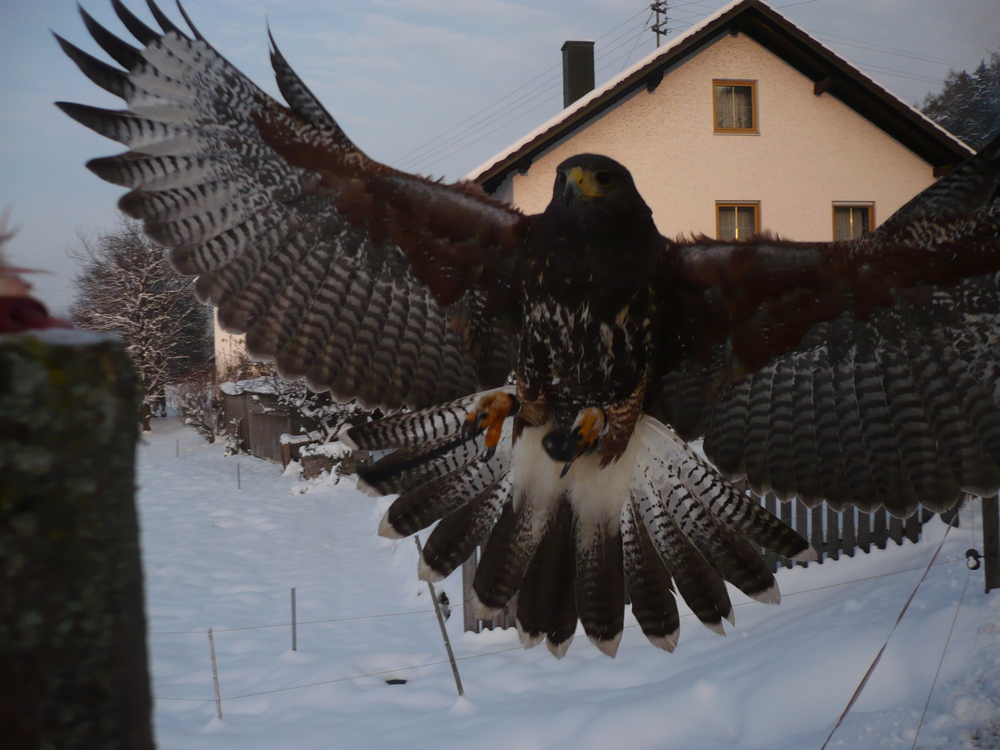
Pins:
<point x="366" y="281"/>
<point x="865" y="373"/>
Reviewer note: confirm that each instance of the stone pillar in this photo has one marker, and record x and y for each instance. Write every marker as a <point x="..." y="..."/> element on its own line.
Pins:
<point x="73" y="663"/>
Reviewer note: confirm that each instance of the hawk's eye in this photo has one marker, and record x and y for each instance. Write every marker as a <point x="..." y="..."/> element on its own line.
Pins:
<point x="560" y="178"/>
<point x="604" y="178"/>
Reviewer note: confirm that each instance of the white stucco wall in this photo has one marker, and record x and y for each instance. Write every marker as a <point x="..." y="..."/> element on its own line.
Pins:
<point x="230" y="349"/>
<point x="810" y="150"/>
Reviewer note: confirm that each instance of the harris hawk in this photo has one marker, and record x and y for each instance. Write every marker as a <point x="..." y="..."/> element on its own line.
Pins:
<point x="863" y="372"/>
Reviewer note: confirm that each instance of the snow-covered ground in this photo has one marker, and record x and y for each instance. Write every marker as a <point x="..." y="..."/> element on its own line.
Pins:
<point x="226" y="558"/>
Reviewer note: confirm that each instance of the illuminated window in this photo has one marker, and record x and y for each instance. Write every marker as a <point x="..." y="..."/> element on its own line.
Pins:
<point x="735" y="106"/>
<point x="737" y="221"/>
<point x="851" y="220"/>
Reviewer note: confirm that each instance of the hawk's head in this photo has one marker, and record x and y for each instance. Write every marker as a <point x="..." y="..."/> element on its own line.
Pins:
<point x="593" y="184"/>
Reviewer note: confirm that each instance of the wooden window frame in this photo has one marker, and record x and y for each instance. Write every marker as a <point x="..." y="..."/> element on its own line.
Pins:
<point x="755" y="205"/>
<point x="870" y="205"/>
<point x="754" y="109"/>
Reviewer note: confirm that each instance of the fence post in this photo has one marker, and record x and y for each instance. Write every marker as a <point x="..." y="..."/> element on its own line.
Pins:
<point x="444" y="630"/>
<point x="816" y="535"/>
<point x="991" y="542"/>
<point x="295" y="640"/>
<point x="468" y="574"/>
<point x="73" y="662"/>
<point x="215" y="674"/>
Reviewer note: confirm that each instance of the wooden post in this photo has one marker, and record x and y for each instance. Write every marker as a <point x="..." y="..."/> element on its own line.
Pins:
<point x="786" y="516"/>
<point x="215" y="674"/>
<point x="444" y="630"/>
<point x="468" y="574"/>
<point x="991" y="543"/>
<point x="879" y="535"/>
<point x="833" y="542"/>
<point x="295" y="640"/>
<point x="849" y="538"/>
<point x="73" y="662"/>
<point x="802" y="522"/>
<point x="816" y="537"/>
<point x="895" y="530"/>
<point x="769" y="502"/>
<point x="864" y="531"/>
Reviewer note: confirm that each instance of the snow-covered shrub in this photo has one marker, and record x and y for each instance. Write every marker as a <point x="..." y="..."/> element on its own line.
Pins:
<point x="198" y="404"/>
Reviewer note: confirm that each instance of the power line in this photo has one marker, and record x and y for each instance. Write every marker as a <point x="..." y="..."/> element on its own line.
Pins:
<point x="883" y="51"/>
<point x="504" y="98"/>
<point x="512" y="112"/>
<point x="639" y="36"/>
<point x="900" y="73"/>
<point x="888" y="50"/>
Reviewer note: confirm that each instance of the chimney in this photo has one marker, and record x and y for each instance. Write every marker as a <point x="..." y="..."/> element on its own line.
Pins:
<point x="578" y="70"/>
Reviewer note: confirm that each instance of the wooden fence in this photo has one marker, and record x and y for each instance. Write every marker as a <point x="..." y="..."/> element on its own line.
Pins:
<point x="831" y="534"/>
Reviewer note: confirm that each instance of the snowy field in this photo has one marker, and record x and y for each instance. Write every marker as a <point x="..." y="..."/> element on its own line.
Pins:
<point x="221" y="557"/>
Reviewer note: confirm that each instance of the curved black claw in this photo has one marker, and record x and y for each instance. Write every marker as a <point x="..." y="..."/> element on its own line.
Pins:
<point x="472" y="427"/>
<point x="561" y="443"/>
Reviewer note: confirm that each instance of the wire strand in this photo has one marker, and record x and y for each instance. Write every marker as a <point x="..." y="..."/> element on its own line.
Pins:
<point x="941" y="661"/>
<point x="878" y="656"/>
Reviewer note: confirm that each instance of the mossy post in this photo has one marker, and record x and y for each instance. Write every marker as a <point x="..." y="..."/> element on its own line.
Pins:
<point x="73" y="666"/>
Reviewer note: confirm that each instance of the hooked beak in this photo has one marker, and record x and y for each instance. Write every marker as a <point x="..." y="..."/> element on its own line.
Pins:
<point x="581" y="184"/>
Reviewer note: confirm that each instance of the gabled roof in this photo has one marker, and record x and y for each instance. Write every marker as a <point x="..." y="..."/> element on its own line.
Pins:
<point x="830" y="73"/>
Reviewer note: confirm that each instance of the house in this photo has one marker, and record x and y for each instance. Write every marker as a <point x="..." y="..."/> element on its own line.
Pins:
<point x="743" y="123"/>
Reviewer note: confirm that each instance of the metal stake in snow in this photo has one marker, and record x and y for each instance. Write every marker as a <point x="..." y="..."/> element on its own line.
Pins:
<point x="295" y="642"/>
<point x="215" y="675"/>
<point x="178" y="449"/>
<point x="444" y="631"/>
<point x="238" y="485"/>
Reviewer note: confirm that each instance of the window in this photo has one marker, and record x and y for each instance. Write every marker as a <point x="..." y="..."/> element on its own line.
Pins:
<point x="851" y="220"/>
<point x="735" y="106"/>
<point x="737" y="221"/>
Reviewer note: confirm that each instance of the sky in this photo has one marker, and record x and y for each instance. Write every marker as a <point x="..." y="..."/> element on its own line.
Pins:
<point x="430" y="86"/>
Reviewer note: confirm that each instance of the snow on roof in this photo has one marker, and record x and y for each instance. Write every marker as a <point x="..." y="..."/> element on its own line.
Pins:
<point x="665" y="51"/>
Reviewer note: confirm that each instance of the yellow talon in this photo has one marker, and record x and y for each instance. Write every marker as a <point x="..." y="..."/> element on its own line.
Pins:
<point x="590" y="425"/>
<point x="489" y="414"/>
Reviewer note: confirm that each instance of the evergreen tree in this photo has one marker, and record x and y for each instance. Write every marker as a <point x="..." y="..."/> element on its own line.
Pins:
<point x="969" y="103"/>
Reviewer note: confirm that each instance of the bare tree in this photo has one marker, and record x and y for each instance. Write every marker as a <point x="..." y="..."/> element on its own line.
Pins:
<point x="126" y="286"/>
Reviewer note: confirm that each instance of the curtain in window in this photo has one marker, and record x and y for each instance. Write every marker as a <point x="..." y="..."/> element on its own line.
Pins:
<point x="850" y="222"/>
<point x="734" y="107"/>
<point x="737" y="222"/>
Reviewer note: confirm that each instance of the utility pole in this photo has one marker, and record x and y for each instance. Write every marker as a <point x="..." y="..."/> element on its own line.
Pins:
<point x="660" y="27"/>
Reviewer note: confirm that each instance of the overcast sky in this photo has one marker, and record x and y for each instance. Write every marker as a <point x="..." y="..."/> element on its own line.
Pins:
<point x="403" y="77"/>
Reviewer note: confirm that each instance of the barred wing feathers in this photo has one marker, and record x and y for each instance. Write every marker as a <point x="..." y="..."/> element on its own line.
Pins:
<point x="834" y="372"/>
<point x="365" y="281"/>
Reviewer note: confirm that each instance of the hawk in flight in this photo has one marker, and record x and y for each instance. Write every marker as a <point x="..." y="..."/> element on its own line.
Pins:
<point x="864" y="372"/>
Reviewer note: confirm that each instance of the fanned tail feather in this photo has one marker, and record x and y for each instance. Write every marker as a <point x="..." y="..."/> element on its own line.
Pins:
<point x="600" y="582"/>
<point x="649" y="583"/>
<point x="700" y="527"/>
<point x="697" y="582"/>
<point x="546" y="604"/>
<point x="668" y="460"/>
